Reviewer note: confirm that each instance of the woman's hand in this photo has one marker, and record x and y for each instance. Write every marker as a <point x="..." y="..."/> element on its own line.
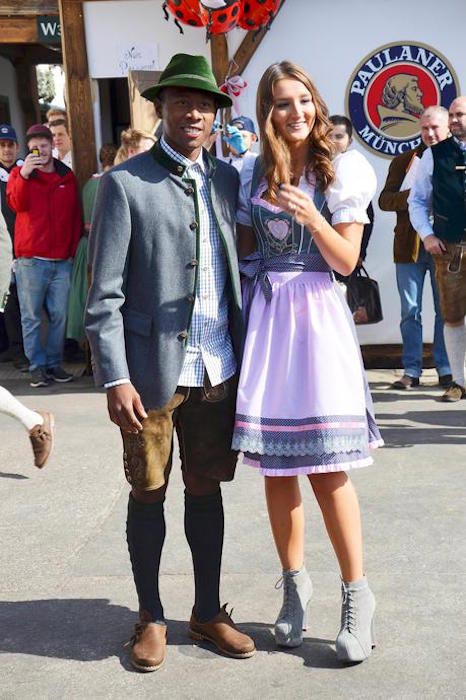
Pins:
<point x="297" y="203"/>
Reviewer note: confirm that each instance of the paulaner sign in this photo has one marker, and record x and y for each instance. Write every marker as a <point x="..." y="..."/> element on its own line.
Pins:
<point x="390" y="89"/>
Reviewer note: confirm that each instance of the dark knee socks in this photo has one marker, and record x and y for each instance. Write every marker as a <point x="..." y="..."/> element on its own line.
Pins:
<point x="145" y="534"/>
<point x="203" y="524"/>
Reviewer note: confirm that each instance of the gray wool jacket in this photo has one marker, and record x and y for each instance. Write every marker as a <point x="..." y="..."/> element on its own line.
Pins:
<point x="143" y="250"/>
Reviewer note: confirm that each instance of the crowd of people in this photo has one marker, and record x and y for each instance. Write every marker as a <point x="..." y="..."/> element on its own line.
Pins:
<point x="213" y="311"/>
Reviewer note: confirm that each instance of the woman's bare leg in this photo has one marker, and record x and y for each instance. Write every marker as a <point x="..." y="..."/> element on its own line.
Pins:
<point x="286" y="516"/>
<point x="339" y="504"/>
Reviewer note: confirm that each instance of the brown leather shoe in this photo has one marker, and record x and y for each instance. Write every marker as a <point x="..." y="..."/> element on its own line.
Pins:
<point x="149" y="644"/>
<point x="222" y="632"/>
<point x="455" y="392"/>
<point x="41" y="437"/>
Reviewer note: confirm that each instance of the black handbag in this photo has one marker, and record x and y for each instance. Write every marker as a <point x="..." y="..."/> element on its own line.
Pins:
<point x="363" y="297"/>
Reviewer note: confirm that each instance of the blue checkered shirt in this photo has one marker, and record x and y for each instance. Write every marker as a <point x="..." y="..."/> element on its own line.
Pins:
<point x="209" y="344"/>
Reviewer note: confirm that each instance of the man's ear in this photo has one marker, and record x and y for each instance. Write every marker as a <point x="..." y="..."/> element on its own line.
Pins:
<point x="158" y="107"/>
<point x="254" y="137"/>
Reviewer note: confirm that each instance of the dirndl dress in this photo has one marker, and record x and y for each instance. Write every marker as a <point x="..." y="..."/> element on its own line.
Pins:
<point x="303" y="403"/>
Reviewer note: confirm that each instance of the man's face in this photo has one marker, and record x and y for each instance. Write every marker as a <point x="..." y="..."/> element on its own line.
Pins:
<point x="340" y="138"/>
<point x="61" y="140"/>
<point x="187" y="116"/>
<point x="9" y="151"/>
<point x="44" y="146"/>
<point x="413" y="97"/>
<point x="434" y="128"/>
<point x="457" y="118"/>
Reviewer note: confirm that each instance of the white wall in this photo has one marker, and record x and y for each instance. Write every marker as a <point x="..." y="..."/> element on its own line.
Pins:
<point x="329" y="39"/>
<point x="8" y="88"/>
<point x="113" y="28"/>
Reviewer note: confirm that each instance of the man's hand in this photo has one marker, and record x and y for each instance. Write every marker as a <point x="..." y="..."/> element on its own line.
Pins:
<point x="125" y="408"/>
<point x="434" y="245"/>
<point x="31" y="162"/>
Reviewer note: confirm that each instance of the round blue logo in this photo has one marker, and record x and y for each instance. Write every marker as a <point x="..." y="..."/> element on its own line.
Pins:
<point x="390" y="89"/>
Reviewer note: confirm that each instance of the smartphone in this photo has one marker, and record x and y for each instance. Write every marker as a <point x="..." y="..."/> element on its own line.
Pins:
<point x="35" y="152"/>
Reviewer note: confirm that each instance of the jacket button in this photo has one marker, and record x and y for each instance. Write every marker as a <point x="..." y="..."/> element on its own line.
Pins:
<point x="193" y="226"/>
<point x="189" y="191"/>
<point x="179" y="168"/>
<point x="194" y="263"/>
<point x="182" y="336"/>
<point x="190" y="298"/>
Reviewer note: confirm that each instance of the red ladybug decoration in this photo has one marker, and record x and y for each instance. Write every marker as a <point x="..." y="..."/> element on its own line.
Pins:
<point x="185" y="11"/>
<point x="257" y="13"/>
<point x="220" y="16"/>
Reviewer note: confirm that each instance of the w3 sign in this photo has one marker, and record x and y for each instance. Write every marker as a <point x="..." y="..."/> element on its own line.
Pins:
<point x="48" y="29"/>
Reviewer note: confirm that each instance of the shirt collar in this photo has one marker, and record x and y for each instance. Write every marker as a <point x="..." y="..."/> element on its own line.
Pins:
<point x="181" y="158"/>
<point x="461" y="144"/>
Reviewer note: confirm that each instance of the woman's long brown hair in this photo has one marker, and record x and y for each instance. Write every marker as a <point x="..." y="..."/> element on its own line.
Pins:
<point x="276" y="159"/>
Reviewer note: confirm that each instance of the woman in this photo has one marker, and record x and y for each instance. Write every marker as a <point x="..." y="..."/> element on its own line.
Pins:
<point x="303" y="405"/>
<point x="133" y="142"/>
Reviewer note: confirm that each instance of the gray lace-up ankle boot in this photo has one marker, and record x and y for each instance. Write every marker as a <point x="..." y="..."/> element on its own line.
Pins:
<point x="292" y="619"/>
<point x="356" y="638"/>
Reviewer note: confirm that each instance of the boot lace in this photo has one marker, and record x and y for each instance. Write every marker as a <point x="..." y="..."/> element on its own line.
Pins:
<point x="286" y="607"/>
<point x="348" y="612"/>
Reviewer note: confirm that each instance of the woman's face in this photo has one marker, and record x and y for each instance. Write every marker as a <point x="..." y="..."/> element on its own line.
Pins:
<point x="340" y="138"/>
<point x="294" y="111"/>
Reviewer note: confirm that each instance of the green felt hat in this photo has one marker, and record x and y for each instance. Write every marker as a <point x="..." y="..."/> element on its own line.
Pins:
<point x="189" y="71"/>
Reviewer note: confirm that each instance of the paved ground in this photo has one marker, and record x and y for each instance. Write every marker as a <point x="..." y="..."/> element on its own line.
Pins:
<point x="67" y="600"/>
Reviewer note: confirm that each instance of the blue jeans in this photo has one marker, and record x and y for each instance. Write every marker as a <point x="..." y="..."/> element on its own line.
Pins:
<point x="43" y="285"/>
<point x="410" y="281"/>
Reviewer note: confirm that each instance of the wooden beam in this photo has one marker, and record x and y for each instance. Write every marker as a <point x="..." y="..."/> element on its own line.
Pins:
<point x="29" y="7"/>
<point x="18" y="30"/>
<point x="249" y="46"/>
<point x="219" y="56"/>
<point x="78" y="89"/>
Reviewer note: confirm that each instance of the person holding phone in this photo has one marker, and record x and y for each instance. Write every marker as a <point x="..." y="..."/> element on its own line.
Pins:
<point x="44" y="194"/>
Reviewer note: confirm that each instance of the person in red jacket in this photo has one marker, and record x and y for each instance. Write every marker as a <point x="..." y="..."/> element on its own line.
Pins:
<point x="44" y="194"/>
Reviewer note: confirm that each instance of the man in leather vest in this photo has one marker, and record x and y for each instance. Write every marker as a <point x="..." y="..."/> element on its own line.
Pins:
<point x="439" y="191"/>
<point x="412" y="261"/>
<point x="165" y="328"/>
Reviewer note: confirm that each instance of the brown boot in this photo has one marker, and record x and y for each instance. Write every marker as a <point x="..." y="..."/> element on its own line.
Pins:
<point x="149" y="644"/>
<point x="222" y="632"/>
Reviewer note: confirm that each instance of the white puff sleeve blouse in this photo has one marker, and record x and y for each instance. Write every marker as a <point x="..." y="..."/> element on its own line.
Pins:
<point x="352" y="190"/>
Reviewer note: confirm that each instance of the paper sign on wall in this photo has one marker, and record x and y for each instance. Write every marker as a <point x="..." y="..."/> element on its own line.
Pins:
<point x="141" y="56"/>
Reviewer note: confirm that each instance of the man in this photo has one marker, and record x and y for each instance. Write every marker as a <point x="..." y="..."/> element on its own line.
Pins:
<point x="439" y="188"/>
<point x="240" y="135"/>
<point x="412" y="261"/>
<point x="61" y="141"/>
<point x="9" y="152"/>
<point x="164" y="325"/>
<point x="402" y="106"/>
<point x="45" y="196"/>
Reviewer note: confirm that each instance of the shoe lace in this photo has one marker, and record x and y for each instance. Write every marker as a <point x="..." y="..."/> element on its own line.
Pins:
<point x="348" y="612"/>
<point x="286" y="606"/>
<point x="139" y="628"/>
<point x="229" y="614"/>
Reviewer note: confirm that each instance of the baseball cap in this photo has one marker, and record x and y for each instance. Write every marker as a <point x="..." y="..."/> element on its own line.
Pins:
<point x="244" y="123"/>
<point x="39" y="130"/>
<point x="7" y="133"/>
